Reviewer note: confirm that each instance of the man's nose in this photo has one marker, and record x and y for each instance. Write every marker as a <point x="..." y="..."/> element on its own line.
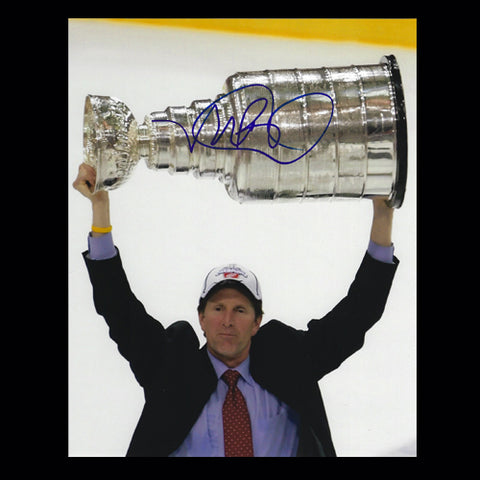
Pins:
<point x="228" y="318"/>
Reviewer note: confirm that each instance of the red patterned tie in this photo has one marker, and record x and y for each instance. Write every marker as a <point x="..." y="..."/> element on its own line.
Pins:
<point x="236" y="420"/>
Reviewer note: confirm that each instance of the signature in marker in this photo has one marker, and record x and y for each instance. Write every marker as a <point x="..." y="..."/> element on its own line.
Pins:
<point x="239" y="135"/>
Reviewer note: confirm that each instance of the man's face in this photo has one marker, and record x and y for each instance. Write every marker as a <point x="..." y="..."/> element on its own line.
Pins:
<point x="229" y="324"/>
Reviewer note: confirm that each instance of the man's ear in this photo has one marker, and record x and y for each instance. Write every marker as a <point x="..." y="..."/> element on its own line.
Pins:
<point x="201" y="319"/>
<point x="258" y="321"/>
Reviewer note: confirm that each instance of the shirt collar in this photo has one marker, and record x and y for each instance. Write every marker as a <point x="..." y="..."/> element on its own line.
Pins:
<point x="221" y="368"/>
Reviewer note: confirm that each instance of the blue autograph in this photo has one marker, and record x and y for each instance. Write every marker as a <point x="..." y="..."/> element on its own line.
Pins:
<point x="237" y="138"/>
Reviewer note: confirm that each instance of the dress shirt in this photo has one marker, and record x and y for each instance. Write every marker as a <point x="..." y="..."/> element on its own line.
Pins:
<point x="102" y="247"/>
<point x="274" y="424"/>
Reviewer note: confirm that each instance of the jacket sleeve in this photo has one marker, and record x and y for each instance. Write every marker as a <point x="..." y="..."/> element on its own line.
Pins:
<point x="340" y="333"/>
<point x="141" y="339"/>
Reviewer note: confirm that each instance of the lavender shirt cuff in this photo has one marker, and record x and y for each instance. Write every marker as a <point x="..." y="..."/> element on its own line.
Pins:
<point x="382" y="254"/>
<point x="101" y="248"/>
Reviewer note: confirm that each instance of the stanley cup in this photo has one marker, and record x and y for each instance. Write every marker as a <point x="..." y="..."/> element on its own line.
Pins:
<point x="271" y="135"/>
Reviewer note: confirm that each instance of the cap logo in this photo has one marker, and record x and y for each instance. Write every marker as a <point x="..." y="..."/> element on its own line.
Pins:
<point x="230" y="275"/>
<point x="232" y="271"/>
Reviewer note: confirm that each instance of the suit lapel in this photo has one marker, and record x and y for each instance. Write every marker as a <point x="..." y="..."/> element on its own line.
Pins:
<point x="275" y="369"/>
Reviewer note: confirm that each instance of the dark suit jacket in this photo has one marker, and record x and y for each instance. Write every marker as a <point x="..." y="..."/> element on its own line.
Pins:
<point x="178" y="377"/>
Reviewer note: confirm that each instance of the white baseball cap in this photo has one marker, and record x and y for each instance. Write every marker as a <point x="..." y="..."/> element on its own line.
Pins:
<point x="235" y="272"/>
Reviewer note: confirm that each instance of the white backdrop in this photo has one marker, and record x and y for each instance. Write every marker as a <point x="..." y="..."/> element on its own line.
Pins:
<point x="171" y="230"/>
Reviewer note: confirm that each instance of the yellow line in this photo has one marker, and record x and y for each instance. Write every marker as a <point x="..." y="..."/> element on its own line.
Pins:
<point x="384" y="31"/>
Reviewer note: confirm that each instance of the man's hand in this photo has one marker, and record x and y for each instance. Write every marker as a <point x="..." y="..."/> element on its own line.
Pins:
<point x="381" y="232"/>
<point x="85" y="184"/>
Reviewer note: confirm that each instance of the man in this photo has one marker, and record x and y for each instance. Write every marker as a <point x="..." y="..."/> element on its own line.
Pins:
<point x="252" y="390"/>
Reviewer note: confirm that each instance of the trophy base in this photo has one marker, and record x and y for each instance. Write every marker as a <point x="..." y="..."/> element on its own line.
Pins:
<point x="398" y="191"/>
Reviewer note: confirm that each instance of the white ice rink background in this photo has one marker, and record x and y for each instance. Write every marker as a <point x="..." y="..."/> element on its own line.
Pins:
<point x="171" y="230"/>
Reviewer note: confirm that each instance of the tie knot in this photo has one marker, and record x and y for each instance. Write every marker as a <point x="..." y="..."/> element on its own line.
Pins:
<point x="231" y="377"/>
